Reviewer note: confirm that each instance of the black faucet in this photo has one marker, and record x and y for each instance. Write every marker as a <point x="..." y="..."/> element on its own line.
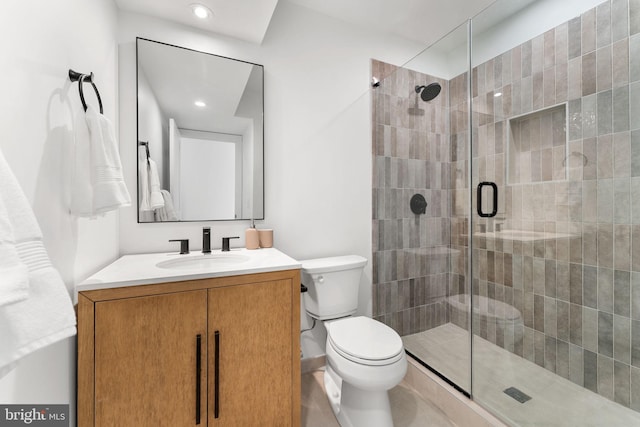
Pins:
<point x="225" y="243"/>
<point x="206" y="240"/>
<point x="184" y="245"/>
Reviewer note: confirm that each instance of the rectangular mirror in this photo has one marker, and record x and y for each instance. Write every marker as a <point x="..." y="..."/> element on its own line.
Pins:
<point x="200" y="135"/>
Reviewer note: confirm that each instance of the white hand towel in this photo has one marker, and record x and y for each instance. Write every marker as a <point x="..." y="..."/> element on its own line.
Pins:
<point x="155" y="197"/>
<point x="109" y="189"/>
<point x="143" y="179"/>
<point x="46" y="315"/>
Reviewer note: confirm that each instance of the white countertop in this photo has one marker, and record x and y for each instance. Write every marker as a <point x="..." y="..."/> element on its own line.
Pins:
<point x="141" y="269"/>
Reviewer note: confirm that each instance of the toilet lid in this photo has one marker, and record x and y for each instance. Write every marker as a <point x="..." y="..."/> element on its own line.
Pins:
<point x="365" y="339"/>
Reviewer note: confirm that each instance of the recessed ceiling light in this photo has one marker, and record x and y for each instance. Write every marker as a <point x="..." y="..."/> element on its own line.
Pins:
<point x="200" y="104"/>
<point x="497" y="94"/>
<point x="201" y="11"/>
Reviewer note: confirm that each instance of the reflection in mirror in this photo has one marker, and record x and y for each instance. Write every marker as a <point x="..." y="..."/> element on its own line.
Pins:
<point x="200" y="135"/>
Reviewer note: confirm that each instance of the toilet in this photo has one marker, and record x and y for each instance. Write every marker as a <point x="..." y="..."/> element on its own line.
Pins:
<point x="365" y="358"/>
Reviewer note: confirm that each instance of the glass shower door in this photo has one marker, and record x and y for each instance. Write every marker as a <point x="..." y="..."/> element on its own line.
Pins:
<point x="421" y="257"/>
<point x="554" y="282"/>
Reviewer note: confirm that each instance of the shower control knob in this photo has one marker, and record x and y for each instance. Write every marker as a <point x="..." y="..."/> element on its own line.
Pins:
<point x="418" y="204"/>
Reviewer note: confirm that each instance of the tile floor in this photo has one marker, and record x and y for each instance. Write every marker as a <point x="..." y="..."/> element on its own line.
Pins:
<point x="407" y="408"/>
<point x="555" y="401"/>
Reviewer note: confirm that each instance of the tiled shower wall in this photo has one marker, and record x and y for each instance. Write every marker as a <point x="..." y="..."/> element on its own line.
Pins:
<point x="579" y="293"/>
<point x="410" y="156"/>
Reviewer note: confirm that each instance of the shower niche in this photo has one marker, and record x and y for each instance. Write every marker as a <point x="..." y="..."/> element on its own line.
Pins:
<point x="537" y="149"/>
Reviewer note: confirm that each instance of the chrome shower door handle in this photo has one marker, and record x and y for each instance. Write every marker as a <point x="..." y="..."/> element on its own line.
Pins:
<point x="494" y="210"/>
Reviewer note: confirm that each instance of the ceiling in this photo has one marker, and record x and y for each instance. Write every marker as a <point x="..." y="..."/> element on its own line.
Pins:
<point x="243" y="19"/>
<point x="424" y="21"/>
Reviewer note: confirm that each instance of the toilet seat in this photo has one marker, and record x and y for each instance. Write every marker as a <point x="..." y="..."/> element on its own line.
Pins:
<point x="365" y="341"/>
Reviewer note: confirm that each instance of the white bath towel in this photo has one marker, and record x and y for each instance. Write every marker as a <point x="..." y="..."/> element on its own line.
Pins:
<point x="166" y="213"/>
<point x="148" y="182"/>
<point x="46" y="315"/>
<point x="109" y="189"/>
<point x="156" y="201"/>
<point x="143" y="179"/>
<point x="14" y="276"/>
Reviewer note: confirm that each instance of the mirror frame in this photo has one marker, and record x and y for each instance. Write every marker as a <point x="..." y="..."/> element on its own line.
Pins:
<point x="253" y="217"/>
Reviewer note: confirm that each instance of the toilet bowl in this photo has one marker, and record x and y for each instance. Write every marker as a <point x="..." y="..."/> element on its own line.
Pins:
<point x="365" y="358"/>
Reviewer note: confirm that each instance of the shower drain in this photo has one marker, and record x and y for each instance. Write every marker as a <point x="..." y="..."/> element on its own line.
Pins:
<point x="517" y="394"/>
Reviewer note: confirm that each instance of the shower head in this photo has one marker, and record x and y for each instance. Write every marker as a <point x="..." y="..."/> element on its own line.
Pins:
<point x="429" y="92"/>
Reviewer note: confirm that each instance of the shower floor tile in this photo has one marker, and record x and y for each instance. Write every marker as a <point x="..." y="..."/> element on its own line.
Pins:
<point x="407" y="408"/>
<point x="555" y="401"/>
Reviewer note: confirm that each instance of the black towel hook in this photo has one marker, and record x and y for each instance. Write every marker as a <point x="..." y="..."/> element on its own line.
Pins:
<point x="146" y="146"/>
<point x="74" y="76"/>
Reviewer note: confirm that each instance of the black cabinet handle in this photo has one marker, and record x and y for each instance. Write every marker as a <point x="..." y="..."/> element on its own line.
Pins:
<point x="216" y="372"/>
<point x="494" y="211"/>
<point x="198" y="375"/>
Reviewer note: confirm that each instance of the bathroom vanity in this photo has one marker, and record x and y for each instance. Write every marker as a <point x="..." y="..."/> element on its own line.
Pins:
<point x="170" y="340"/>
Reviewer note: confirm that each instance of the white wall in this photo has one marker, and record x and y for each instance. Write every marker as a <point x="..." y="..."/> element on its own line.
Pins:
<point x="40" y="40"/>
<point x="317" y="132"/>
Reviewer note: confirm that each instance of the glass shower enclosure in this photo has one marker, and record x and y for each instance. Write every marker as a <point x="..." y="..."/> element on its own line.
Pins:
<point x="519" y="284"/>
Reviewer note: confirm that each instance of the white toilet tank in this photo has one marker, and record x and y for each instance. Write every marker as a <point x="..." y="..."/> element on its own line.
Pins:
<point x="333" y="285"/>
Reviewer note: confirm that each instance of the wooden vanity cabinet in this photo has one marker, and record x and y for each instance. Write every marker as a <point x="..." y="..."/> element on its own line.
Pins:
<point x="146" y="359"/>
<point x="216" y="352"/>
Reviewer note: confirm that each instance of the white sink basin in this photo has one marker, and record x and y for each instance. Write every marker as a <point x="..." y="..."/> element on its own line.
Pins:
<point x="201" y="262"/>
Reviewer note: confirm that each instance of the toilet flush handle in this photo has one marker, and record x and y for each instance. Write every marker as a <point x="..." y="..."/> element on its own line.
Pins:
<point x="320" y="279"/>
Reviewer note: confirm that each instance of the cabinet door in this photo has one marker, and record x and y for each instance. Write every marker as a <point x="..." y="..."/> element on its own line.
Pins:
<point x="146" y="360"/>
<point x="251" y="355"/>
